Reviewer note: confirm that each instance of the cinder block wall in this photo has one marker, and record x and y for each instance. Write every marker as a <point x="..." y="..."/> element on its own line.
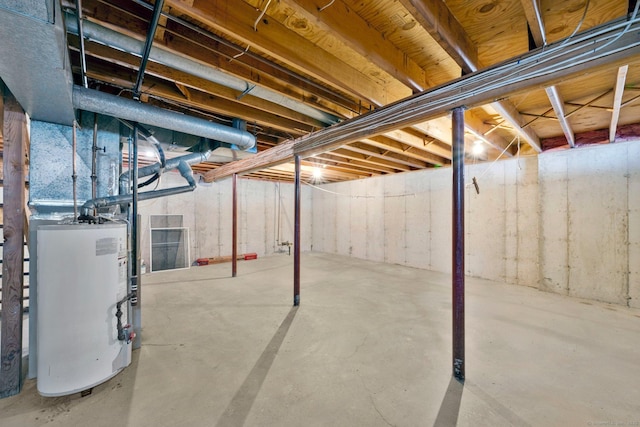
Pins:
<point x="566" y="221"/>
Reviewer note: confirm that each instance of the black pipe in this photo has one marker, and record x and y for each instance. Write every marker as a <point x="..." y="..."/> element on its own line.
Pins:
<point x="134" y="218"/>
<point x="296" y="237"/>
<point x="234" y="226"/>
<point x="83" y="58"/>
<point x="153" y="25"/>
<point x="458" y="243"/>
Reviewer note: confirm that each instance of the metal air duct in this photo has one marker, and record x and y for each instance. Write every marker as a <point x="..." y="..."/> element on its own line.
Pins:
<point x="115" y="106"/>
<point x="106" y="36"/>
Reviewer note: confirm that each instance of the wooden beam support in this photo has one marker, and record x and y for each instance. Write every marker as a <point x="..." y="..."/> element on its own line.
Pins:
<point x="535" y="21"/>
<point x="236" y="19"/>
<point x="480" y="130"/>
<point x="14" y="131"/>
<point x="588" y="53"/>
<point x="512" y="116"/>
<point x="617" y="101"/>
<point x="437" y="19"/>
<point x="418" y="140"/>
<point x="405" y="150"/>
<point x="558" y="106"/>
<point x="386" y="155"/>
<point x="356" y="33"/>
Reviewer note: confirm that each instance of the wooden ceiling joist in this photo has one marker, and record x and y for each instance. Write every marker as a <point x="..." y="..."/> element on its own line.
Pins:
<point x="587" y="52"/>
<point x="236" y="18"/>
<point x="341" y="21"/>
<point x="617" y="101"/>
<point x="558" y="106"/>
<point x="438" y="20"/>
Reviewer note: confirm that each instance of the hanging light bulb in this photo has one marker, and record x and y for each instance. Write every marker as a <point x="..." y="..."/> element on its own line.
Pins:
<point x="478" y="148"/>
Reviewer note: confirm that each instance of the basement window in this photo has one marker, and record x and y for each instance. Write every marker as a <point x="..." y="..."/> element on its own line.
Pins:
<point x="169" y="243"/>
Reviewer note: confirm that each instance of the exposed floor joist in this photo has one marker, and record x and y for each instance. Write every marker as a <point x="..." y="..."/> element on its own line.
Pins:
<point x="587" y="53"/>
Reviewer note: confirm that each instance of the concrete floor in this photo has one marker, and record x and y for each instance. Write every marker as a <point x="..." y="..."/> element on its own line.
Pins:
<point x="369" y="346"/>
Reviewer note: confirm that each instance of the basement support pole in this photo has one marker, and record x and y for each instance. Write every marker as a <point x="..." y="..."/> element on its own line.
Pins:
<point x="296" y="237"/>
<point x="234" y="227"/>
<point x="135" y="244"/>
<point x="13" y="123"/>
<point x="458" y="243"/>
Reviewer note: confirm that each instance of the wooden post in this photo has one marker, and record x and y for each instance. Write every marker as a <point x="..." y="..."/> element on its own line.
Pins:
<point x="458" y="243"/>
<point x="14" y="131"/>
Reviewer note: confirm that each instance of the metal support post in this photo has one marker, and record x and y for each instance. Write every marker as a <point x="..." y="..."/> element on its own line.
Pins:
<point x="296" y="237"/>
<point x="458" y="243"/>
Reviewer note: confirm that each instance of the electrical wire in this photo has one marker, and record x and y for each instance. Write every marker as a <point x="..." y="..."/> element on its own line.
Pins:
<point x="320" y="9"/>
<point x="255" y="24"/>
<point x="438" y="98"/>
<point x="357" y="196"/>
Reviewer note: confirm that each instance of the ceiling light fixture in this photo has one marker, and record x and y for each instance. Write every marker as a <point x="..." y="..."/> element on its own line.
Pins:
<point x="478" y="148"/>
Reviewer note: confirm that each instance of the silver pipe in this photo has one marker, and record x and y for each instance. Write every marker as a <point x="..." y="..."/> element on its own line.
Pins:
<point x="74" y="176"/>
<point x="83" y="58"/>
<point x="185" y="171"/>
<point x="94" y="158"/>
<point x="115" y="106"/>
<point x="174" y="163"/>
<point x="120" y="41"/>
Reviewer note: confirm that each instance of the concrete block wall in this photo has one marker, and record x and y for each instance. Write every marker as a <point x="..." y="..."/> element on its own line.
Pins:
<point x="208" y="215"/>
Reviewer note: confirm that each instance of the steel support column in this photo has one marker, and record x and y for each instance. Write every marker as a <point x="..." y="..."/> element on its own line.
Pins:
<point x="458" y="243"/>
<point x="234" y="227"/>
<point x="135" y="245"/>
<point x="296" y="237"/>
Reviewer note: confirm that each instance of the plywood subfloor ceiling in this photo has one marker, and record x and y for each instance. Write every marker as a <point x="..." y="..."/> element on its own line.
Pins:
<point x="331" y="60"/>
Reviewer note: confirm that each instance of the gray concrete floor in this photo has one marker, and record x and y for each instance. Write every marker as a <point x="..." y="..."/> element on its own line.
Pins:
<point x="369" y="346"/>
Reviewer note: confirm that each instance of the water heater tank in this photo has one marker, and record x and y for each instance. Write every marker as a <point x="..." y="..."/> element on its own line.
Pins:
<point x="82" y="274"/>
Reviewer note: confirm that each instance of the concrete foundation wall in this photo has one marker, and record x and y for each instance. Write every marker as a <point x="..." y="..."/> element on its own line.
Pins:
<point x="589" y="221"/>
<point x="566" y="222"/>
<point x="406" y="219"/>
<point x="265" y="216"/>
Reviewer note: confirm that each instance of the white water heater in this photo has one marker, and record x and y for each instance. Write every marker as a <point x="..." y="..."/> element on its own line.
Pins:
<point x="82" y="274"/>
